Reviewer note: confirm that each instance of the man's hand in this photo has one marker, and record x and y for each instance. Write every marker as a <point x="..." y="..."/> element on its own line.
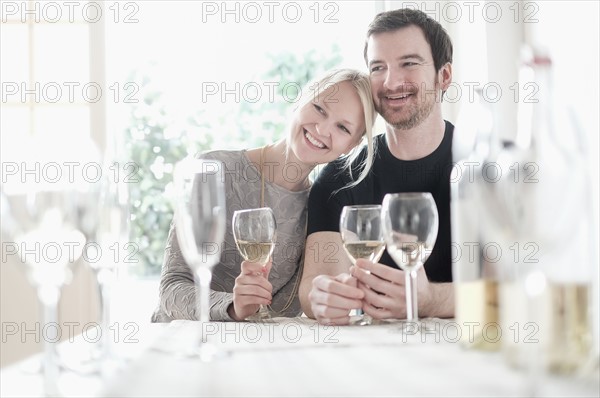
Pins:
<point x="385" y="291"/>
<point x="332" y="298"/>
<point x="252" y="288"/>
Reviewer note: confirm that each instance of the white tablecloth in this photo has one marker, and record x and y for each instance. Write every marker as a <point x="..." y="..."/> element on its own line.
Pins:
<point x="297" y="357"/>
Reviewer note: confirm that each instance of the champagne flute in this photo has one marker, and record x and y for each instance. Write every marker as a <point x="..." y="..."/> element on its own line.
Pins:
<point x="200" y="226"/>
<point x="410" y="229"/>
<point x="255" y="233"/>
<point x="362" y="237"/>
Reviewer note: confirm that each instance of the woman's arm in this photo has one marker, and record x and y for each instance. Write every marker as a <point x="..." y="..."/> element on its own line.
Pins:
<point x="177" y="291"/>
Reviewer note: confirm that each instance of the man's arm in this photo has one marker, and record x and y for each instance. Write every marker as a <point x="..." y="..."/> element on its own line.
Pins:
<point x="326" y="284"/>
<point x="440" y="301"/>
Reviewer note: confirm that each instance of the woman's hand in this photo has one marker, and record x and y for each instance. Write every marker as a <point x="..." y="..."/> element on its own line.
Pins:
<point x="332" y="298"/>
<point x="252" y="288"/>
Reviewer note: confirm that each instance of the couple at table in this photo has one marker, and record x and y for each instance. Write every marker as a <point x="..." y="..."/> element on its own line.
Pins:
<point x="409" y="60"/>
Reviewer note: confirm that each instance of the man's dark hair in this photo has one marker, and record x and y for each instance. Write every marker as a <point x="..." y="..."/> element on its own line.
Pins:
<point x="435" y="34"/>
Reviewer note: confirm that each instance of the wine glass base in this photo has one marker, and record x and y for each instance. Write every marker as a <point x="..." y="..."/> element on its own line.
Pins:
<point x="410" y="326"/>
<point x="87" y="364"/>
<point x="366" y="320"/>
<point x="206" y="352"/>
<point x="68" y="381"/>
<point x="94" y="363"/>
<point x="263" y="315"/>
<point x="260" y="318"/>
<point x="414" y="326"/>
<point x="361" y="320"/>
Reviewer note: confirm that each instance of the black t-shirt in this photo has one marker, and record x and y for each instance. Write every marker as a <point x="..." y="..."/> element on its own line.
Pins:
<point x="389" y="175"/>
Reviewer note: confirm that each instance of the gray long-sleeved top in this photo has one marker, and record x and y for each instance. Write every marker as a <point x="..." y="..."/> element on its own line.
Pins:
<point x="242" y="189"/>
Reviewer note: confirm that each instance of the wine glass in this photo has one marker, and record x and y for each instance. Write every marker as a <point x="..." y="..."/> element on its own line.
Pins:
<point x="410" y="227"/>
<point x="255" y="233"/>
<point x="200" y="226"/>
<point x="50" y="214"/>
<point x="44" y="222"/>
<point x="109" y="236"/>
<point x="113" y="230"/>
<point x="362" y="237"/>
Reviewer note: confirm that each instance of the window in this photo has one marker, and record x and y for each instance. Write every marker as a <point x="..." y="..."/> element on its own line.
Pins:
<point x="51" y="88"/>
<point x="47" y="84"/>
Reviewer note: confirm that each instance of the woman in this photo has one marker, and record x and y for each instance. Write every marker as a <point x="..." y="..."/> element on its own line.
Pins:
<point x="332" y="116"/>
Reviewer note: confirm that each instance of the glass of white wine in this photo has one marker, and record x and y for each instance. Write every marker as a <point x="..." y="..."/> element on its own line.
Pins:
<point x="362" y="236"/>
<point x="255" y="233"/>
<point x="200" y="228"/>
<point x="410" y="227"/>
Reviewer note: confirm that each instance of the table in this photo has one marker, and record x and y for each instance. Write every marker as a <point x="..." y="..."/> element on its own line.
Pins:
<point x="298" y="357"/>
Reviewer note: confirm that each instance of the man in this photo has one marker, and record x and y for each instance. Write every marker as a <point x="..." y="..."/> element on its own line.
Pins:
<point x="409" y="57"/>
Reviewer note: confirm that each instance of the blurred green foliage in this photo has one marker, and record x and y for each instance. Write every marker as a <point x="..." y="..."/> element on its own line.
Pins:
<point x="155" y="142"/>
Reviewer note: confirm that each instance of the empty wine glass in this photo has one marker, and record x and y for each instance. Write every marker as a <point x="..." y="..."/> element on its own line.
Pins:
<point x="255" y="233"/>
<point x="410" y="227"/>
<point x="200" y="226"/>
<point x="50" y="215"/>
<point x="362" y="237"/>
<point x="113" y="230"/>
<point x="109" y="235"/>
<point x="44" y="222"/>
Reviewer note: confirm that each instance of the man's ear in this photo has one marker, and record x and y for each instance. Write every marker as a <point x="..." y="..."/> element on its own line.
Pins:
<point x="445" y="76"/>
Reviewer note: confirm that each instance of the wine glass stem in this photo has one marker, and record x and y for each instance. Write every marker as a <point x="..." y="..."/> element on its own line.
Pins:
<point x="412" y="308"/>
<point x="263" y="310"/>
<point x="48" y="296"/>
<point x="105" y="300"/>
<point x="203" y="278"/>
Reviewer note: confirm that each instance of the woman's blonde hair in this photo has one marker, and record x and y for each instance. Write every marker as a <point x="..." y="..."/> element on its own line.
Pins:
<point x="360" y="81"/>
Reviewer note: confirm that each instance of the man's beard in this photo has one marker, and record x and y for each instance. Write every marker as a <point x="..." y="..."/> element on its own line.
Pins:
<point x="417" y="113"/>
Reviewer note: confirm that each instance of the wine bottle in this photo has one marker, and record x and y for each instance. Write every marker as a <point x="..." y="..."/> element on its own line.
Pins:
<point x="545" y="295"/>
<point x="475" y="278"/>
